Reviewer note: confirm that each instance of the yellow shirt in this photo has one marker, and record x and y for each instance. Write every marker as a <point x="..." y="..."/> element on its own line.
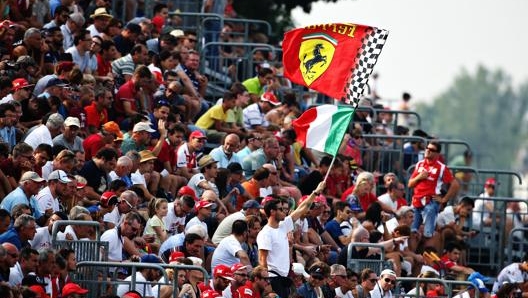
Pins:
<point x="208" y="119"/>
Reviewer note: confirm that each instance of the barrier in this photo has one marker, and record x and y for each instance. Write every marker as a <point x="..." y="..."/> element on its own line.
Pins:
<point x="107" y="283"/>
<point x="487" y="251"/>
<point x="449" y="286"/>
<point x="399" y="116"/>
<point x="357" y="265"/>
<point x="517" y="246"/>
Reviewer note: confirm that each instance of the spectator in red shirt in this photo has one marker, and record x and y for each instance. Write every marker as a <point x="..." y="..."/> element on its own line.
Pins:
<point x="427" y="180"/>
<point x="450" y="259"/>
<point x="97" y="113"/>
<point x="104" y="138"/>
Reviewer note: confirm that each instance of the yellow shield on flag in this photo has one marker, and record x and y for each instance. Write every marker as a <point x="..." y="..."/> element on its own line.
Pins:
<point x="315" y="56"/>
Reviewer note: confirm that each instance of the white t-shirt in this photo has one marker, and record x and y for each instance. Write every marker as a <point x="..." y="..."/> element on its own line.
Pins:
<point x="67" y="230"/>
<point x="225" y="227"/>
<point x="40" y="135"/>
<point x="339" y="293"/>
<point x="386" y="199"/>
<point x="138" y="179"/>
<point x="275" y="241"/>
<point x="113" y="217"/>
<point x="172" y="221"/>
<point x="196" y="221"/>
<point x="46" y="200"/>
<point x="512" y="274"/>
<point x="447" y="216"/>
<point x="142" y="286"/>
<point x="225" y="252"/>
<point x="115" y="245"/>
<point x="42" y="239"/>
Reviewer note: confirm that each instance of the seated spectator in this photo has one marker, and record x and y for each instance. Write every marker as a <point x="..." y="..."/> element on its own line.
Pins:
<point x="23" y="230"/>
<point x="229" y="250"/>
<point x="96" y="171"/>
<point x="253" y="142"/>
<point x="78" y="232"/>
<point x="186" y="158"/>
<point x="318" y="273"/>
<point x="8" y="131"/>
<point x="70" y="137"/>
<point x="50" y="198"/>
<point x="145" y="177"/>
<point x="143" y="278"/>
<point x="93" y="143"/>
<point x="205" y="179"/>
<point x="214" y="120"/>
<point x="255" y="86"/>
<point x="254" y="114"/>
<point x="73" y="290"/>
<point x="450" y="259"/>
<point x="454" y="222"/>
<point x="30" y="184"/>
<point x="222" y="277"/>
<point x="226" y="153"/>
<point x="27" y="263"/>
<point x="127" y="202"/>
<point x="129" y="228"/>
<point x="45" y="133"/>
<point x="97" y="111"/>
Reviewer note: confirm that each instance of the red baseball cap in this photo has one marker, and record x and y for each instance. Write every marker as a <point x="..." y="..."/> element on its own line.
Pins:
<point x="491" y="182"/>
<point x="238" y="266"/>
<point x="175" y="255"/>
<point x="72" y="288"/>
<point x="197" y="135"/>
<point x="223" y="271"/>
<point x="108" y="198"/>
<point x="271" y="98"/>
<point x="266" y="200"/>
<point x="203" y="204"/>
<point x="187" y="191"/>
<point x="21" y="83"/>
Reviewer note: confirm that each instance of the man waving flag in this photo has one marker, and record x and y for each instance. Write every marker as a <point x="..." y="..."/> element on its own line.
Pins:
<point x="334" y="59"/>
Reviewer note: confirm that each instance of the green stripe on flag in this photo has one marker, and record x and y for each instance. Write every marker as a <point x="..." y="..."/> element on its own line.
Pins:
<point x="340" y="121"/>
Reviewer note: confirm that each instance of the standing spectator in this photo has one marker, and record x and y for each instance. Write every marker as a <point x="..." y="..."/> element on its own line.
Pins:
<point x="273" y="248"/>
<point x="427" y="179"/>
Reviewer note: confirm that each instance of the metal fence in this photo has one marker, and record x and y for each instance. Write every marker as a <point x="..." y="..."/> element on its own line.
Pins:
<point x="357" y="265"/>
<point x="108" y="281"/>
<point x="451" y="287"/>
<point x="494" y="245"/>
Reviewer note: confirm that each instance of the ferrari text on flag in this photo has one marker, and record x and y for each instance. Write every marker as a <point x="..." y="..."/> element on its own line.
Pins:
<point x="334" y="59"/>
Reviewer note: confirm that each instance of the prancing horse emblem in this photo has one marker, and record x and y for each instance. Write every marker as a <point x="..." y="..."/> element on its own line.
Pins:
<point x="317" y="58"/>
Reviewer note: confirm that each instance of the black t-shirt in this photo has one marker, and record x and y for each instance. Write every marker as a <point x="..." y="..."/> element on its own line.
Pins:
<point x="96" y="178"/>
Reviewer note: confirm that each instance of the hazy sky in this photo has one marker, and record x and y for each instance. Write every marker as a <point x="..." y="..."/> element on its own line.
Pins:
<point x="430" y="41"/>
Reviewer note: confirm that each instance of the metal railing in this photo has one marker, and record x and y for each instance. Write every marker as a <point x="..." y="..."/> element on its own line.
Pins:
<point x="450" y="286"/>
<point x="107" y="282"/>
<point x="357" y="265"/>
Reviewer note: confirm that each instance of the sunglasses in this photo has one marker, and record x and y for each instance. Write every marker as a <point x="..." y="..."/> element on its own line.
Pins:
<point x="373" y="280"/>
<point x="283" y="210"/>
<point x="431" y="149"/>
<point x="390" y="281"/>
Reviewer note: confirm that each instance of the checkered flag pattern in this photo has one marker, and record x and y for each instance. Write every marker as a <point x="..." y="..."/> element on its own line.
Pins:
<point x="367" y="56"/>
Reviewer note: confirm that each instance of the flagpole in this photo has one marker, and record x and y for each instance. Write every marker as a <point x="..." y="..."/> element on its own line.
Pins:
<point x="356" y="104"/>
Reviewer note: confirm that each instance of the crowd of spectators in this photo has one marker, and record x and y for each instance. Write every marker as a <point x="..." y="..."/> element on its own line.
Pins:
<point x="110" y="123"/>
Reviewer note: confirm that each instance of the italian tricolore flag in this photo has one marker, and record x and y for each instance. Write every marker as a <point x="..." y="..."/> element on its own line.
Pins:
<point x="322" y="128"/>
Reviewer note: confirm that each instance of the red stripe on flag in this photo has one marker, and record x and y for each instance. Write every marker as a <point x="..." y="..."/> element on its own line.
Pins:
<point x="301" y="124"/>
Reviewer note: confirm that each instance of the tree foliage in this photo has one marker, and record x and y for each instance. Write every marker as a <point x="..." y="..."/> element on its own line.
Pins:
<point x="484" y="110"/>
<point x="276" y="12"/>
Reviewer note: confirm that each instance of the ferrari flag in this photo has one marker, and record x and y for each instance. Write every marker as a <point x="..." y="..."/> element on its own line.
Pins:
<point x="334" y="59"/>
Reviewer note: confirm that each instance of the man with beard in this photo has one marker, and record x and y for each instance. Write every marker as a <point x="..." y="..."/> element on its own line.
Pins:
<point x="54" y="41"/>
<point x="49" y="198"/>
<point x="226" y="153"/>
<point x="271" y="240"/>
